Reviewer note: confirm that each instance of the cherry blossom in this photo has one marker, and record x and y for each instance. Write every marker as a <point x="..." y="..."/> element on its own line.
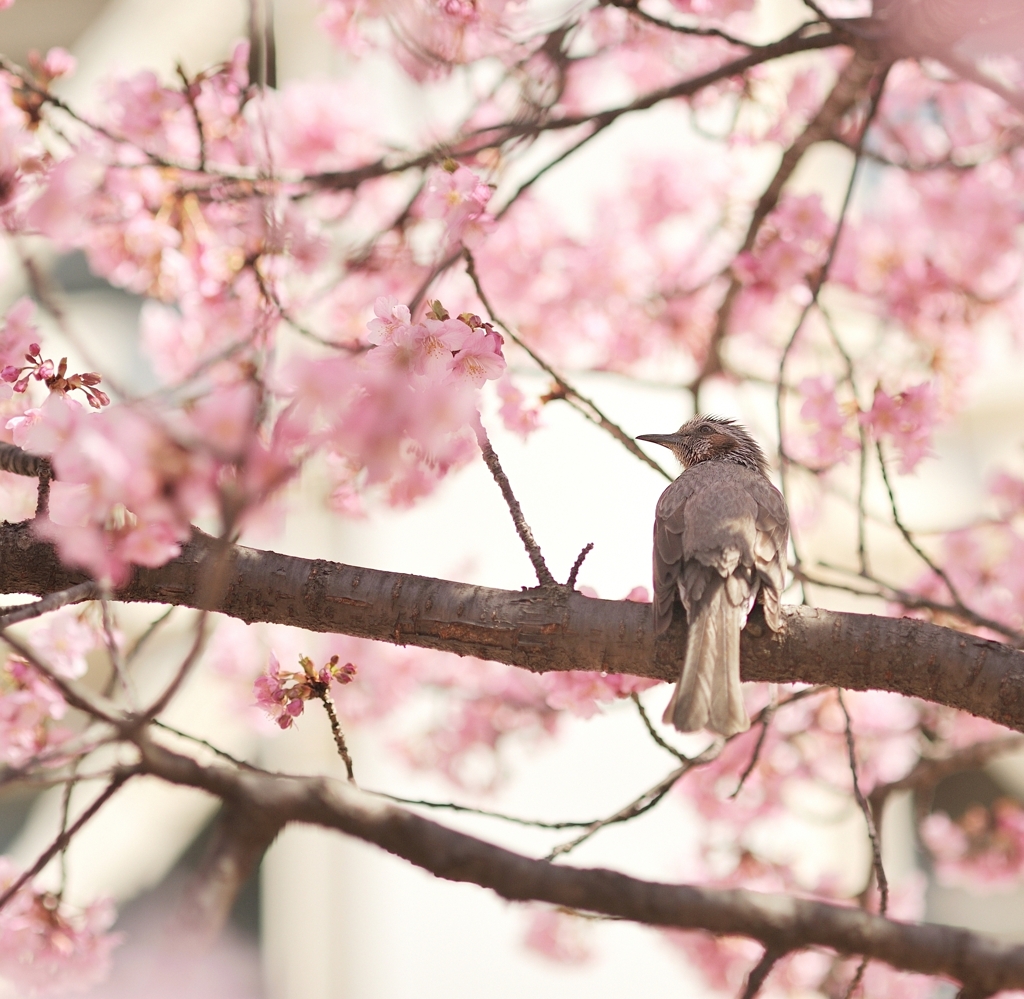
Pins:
<point x="906" y="420"/>
<point x="283" y="695"/>
<point x="29" y="707"/>
<point x="832" y="440"/>
<point x="46" y="947"/>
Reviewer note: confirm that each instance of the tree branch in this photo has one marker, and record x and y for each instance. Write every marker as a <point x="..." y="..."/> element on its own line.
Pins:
<point x="544" y="630"/>
<point x="781" y="923"/>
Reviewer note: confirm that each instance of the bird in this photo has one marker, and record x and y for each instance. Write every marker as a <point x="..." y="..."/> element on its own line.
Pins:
<point x="721" y="531"/>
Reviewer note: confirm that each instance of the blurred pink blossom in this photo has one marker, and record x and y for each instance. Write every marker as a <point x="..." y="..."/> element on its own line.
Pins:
<point x="48" y="948"/>
<point x="831" y="440"/>
<point x="906" y="420"/>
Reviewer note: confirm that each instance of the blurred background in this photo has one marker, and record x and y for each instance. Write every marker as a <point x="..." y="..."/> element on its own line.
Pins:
<point x="329" y="918"/>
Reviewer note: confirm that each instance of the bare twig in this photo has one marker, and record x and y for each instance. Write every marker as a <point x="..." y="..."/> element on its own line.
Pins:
<point x="208" y="745"/>
<point x="683" y="29"/>
<point x="869" y="818"/>
<point x="544" y="577"/>
<point x="764" y="721"/>
<point x="65" y="835"/>
<point x="858" y="977"/>
<point x="154" y="626"/>
<point x="190" y="96"/>
<point x="586" y="406"/>
<point x="909" y="538"/>
<point x="578" y="564"/>
<point x="469" y="810"/>
<point x="339" y="738"/>
<point x="653" y="732"/>
<point x="910" y="601"/>
<point x="761" y="971"/>
<point x="54" y="601"/>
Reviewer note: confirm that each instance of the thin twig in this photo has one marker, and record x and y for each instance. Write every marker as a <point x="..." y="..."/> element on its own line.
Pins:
<point x="469" y="810"/>
<point x="644" y="803"/>
<point x="544" y="577"/>
<point x="339" y="738"/>
<point x="908" y="537"/>
<point x="209" y="745"/>
<point x="117" y="664"/>
<point x="755" y="756"/>
<point x="819" y="281"/>
<point x="668" y="747"/>
<point x="857" y="979"/>
<point x="190" y="96"/>
<point x="683" y="29"/>
<point x="150" y="631"/>
<point x="65" y="836"/>
<point x="869" y="819"/>
<point x="76" y="594"/>
<point x="580" y="402"/>
<point x="65" y="806"/>
<point x="862" y="432"/>
<point x="910" y="601"/>
<point x="577" y="565"/>
<point x="761" y="971"/>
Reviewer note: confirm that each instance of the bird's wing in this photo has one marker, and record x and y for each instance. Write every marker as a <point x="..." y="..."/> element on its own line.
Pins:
<point x="704" y="535"/>
<point x="669" y="518"/>
<point x="770" y="544"/>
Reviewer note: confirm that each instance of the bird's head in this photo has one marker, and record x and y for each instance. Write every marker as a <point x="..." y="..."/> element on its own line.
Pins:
<point x="712" y="438"/>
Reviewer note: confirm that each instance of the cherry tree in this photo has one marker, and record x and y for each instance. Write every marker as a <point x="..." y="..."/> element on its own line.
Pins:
<point x="318" y="297"/>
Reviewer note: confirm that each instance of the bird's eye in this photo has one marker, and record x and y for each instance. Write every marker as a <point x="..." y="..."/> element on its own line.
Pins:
<point x="705" y="430"/>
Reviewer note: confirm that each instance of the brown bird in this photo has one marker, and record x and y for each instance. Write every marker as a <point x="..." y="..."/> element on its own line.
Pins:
<point x="720" y="535"/>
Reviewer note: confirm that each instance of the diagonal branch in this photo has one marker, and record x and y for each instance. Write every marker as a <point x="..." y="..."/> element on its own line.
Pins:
<point x="781" y="923"/>
<point x="544" y="577"/>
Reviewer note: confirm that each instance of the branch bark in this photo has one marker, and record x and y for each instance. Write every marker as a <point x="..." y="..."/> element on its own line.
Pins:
<point x="544" y="630"/>
<point x="781" y="923"/>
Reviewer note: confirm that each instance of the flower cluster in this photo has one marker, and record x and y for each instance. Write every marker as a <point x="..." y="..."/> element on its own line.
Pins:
<point x="45" y="947"/>
<point x="57" y="381"/>
<point x="283" y="694"/>
<point x="29" y="707"/>
<point x="906" y="420"/>
<point x="984" y="848"/>
<point x="459" y="198"/>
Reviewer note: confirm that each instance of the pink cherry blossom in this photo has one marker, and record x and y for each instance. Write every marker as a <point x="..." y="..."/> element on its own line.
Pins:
<point x="985" y="848"/>
<point x="831" y="441"/>
<point x="516" y="416"/>
<point x="29" y="706"/>
<point x="906" y="420"/>
<point x="63" y="641"/>
<point x="458" y="197"/>
<point x="558" y="936"/>
<point x="46" y="947"/>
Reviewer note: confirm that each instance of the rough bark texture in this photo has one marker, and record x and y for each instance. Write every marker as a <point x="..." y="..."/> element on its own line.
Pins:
<point x="781" y="922"/>
<point x="553" y="629"/>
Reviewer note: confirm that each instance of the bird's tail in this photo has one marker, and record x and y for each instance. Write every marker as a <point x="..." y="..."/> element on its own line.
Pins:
<point x="710" y="693"/>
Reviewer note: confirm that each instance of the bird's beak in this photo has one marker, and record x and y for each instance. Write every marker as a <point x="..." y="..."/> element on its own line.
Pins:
<point x="665" y="440"/>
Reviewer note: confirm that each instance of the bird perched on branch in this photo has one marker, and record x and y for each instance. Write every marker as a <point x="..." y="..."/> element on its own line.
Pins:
<point x="720" y="535"/>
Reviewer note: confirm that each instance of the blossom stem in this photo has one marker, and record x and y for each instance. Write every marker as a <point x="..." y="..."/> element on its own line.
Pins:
<point x="339" y="738"/>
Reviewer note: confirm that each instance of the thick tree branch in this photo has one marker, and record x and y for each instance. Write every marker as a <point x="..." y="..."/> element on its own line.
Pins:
<point x="779" y="922"/>
<point x="544" y="630"/>
<point x="241" y="837"/>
